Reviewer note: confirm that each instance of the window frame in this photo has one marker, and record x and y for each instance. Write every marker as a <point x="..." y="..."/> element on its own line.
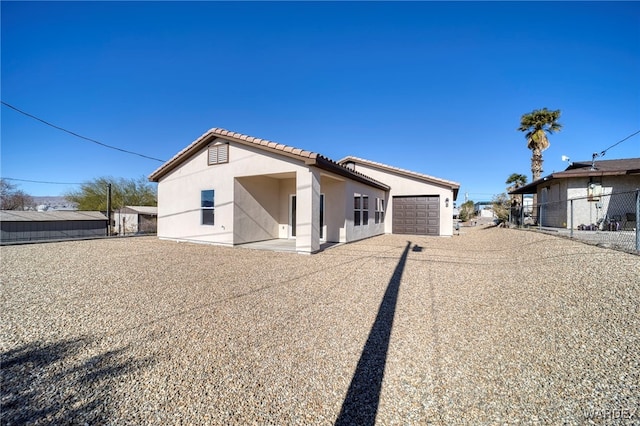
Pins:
<point x="206" y="210"/>
<point x="360" y="209"/>
<point x="365" y="210"/>
<point x="357" y="209"/>
<point x="379" y="210"/>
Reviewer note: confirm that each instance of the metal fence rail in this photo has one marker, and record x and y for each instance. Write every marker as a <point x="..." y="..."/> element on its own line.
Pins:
<point x="608" y="219"/>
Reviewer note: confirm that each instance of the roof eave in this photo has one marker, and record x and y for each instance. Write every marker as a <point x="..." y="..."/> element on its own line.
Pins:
<point x="307" y="157"/>
<point x="331" y="166"/>
<point x="454" y="186"/>
<point x="591" y="173"/>
<point x="182" y="156"/>
<point x="531" y="188"/>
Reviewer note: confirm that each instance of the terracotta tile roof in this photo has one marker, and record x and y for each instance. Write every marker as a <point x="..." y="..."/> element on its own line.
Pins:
<point x="385" y="167"/>
<point x="309" y="157"/>
<point x="262" y="142"/>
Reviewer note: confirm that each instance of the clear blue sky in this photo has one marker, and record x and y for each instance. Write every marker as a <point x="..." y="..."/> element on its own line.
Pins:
<point x="434" y="87"/>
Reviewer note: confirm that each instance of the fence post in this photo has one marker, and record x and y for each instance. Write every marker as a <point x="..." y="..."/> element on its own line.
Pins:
<point x="637" y="219"/>
<point x="571" y="220"/>
<point x="540" y="207"/>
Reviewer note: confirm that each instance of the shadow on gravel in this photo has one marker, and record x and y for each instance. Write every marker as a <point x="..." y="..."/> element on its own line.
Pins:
<point x="360" y="406"/>
<point x="53" y="384"/>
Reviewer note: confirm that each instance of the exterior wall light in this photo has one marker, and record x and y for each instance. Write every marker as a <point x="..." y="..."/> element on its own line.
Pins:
<point x="446" y="202"/>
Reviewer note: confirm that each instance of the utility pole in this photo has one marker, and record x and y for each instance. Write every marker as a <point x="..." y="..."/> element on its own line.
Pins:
<point x="108" y="210"/>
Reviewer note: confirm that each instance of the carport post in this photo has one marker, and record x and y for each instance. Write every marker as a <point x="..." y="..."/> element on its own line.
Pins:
<point x="540" y="216"/>
<point x="571" y="219"/>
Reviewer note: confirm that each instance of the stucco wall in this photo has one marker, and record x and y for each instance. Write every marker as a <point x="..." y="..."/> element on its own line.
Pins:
<point x="404" y="185"/>
<point x="130" y="224"/>
<point x="553" y="210"/>
<point x="365" y="230"/>
<point x="586" y="212"/>
<point x="256" y="209"/>
<point x="179" y="214"/>
<point x="334" y="208"/>
<point x="286" y="188"/>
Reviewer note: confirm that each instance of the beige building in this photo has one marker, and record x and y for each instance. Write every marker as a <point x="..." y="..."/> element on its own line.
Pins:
<point x="228" y="188"/>
<point x="135" y="220"/>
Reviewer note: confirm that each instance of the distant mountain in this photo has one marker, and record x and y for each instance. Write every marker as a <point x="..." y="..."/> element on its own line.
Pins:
<point x="46" y="203"/>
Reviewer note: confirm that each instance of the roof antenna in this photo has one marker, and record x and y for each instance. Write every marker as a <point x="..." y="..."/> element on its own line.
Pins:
<point x="567" y="159"/>
<point x="593" y="159"/>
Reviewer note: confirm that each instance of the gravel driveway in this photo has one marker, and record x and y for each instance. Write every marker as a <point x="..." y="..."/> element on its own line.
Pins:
<point x="495" y="326"/>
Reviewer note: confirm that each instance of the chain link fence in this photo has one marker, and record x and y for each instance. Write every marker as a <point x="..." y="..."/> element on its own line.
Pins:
<point x="610" y="220"/>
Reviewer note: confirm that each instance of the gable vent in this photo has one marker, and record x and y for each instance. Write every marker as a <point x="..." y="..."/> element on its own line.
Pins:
<point x="219" y="153"/>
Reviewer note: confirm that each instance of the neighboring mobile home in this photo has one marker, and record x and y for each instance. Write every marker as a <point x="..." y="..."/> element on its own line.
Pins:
<point x="229" y="188"/>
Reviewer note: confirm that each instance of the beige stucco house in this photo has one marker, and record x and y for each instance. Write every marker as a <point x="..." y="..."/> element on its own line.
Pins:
<point x="228" y="188"/>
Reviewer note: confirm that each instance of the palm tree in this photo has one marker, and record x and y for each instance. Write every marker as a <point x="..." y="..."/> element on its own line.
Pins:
<point x="515" y="181"/>
<point x="537" y="124"/>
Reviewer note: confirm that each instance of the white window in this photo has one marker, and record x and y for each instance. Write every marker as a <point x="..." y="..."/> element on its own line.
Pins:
<point x="379" y="216"/>
<point x="207" y="207"/>
<point x="360" y="209"/>
<point x="365" y="209"/>
<point x="219" y="153"/>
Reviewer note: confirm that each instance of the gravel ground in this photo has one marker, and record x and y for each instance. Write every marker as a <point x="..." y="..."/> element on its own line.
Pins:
<point x="390" y="330"/>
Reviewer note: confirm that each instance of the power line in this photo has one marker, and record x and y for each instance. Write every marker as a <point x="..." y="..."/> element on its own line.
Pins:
<point x="618" y="143"/>
<point x="41" y="181"/>
<point x="79" y="136"/>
